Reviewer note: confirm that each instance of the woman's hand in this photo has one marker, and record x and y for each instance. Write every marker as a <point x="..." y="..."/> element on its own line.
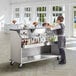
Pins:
<point x="49" y="26"/>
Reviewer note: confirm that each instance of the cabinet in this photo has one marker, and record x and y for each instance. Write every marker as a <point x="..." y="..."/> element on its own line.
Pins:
<point x="32" y="50"/>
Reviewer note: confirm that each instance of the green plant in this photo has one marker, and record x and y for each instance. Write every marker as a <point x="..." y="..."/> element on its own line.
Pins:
<point x="52" y="39"/>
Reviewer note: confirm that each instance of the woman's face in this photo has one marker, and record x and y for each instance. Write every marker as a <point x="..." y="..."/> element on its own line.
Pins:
<point x="46" y="26"/>
<point x="58" y="21"/>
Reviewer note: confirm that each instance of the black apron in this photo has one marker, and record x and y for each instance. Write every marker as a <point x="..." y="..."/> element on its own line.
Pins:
<point x="61" y="37"/>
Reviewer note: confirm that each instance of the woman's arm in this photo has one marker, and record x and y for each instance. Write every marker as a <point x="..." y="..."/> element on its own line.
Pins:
<point x="52" y="27"/>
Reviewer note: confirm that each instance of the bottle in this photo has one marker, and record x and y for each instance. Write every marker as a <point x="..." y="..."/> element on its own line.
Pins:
<point x="22" y="43"/>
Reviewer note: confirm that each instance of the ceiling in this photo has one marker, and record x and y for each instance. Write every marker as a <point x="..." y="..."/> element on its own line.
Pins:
<point x="19" y="1"/>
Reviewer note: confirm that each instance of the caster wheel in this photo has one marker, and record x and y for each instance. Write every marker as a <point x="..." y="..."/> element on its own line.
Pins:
<point x="12" y="62"/>
<point x="58" y="58"/>
<point x="20" y="66"/>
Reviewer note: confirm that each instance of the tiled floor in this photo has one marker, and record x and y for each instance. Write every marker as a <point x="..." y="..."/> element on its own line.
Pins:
<point x="42" y="68"/>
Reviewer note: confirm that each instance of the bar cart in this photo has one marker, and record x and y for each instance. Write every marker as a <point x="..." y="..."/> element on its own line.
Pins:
<point x="29" y="45"/>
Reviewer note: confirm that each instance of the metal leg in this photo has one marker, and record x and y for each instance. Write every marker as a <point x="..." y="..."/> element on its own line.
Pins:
<point x="12" y="62"/>
<point x="57" y="58"/>
<point x="20" y="65"/>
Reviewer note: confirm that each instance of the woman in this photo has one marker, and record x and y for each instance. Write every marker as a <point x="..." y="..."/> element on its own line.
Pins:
<point x="59" y="31"/>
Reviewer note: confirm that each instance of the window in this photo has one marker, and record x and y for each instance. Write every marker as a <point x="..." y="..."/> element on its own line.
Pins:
<point x="17" y="14"/>
<point x="27" y="9"/>
<point x="57" y="11"/>
<point x="17" y="9"/>
<point x="57" y="8"/>
<point x="27" y="15"/>
<point x="74" y="21"/>
<point x="41" y="14"/>
<point x="41" y="8"/>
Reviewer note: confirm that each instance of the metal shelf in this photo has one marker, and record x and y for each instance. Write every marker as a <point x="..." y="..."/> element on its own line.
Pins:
<point x="29" y="53"/>
<point x="35" y="58"/>
<point x="34" y="45"/>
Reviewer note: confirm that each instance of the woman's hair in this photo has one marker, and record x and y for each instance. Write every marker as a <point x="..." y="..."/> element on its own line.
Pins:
<point x="61" y="18"/>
